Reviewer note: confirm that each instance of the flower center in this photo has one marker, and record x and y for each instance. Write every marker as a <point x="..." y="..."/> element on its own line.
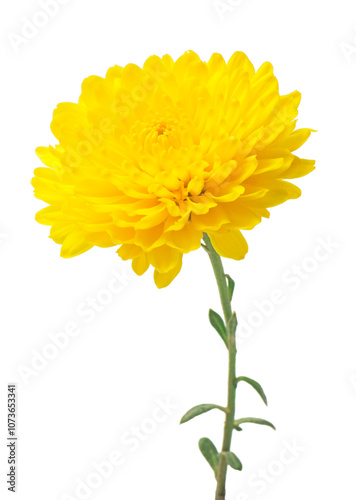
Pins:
<point x="163" y="129"/>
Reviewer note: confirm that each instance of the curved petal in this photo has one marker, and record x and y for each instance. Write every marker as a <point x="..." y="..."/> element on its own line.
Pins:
<point x="140" y="264"/>
<point x="230" y="244"/>
<point x="164" y="258"/>
<point x="164" y="279"/>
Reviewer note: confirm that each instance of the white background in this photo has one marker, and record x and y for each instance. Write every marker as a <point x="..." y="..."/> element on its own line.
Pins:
<point x="148" y="344"/>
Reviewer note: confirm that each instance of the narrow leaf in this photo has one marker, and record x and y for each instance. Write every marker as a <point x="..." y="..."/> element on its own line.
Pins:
<point x="259" y="421"/>
<point x="218" y="323"/>
<point x="233" y="460"/>
<point x="231" y="285"/>
<point x="210" y="453"/>
<point x="255" y="385"/>
<point x="198" y="410"/>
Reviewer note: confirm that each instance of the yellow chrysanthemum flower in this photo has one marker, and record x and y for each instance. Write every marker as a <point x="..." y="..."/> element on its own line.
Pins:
<point x="151" y="158"/>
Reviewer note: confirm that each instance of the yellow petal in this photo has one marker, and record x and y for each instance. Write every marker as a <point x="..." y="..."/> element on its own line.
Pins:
<point x="195" y="186"/>
<point x="164" y="279"/>
<point x="120" y="234"/>
<point x="155" y="216"/>
<point x="75" y="244"/>
<point x="49" y="215"/>
<point x="128" y="251"/>
<point x="230" y="244"/>
<point x="240" y="61"/>
<point x="186" y="239"/>
<point x="296" y="139"/>
<point x="140" y="264"/>
<point x="164" y="258"/>
<point x="213" y="220"/>
<point x="299" y="168"/>
<point x="49" y="158"/>
<point x="241" y="216"/>
<point x="278" y="192"/>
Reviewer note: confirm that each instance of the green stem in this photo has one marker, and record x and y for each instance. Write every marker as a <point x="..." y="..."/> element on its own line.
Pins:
<point x="221" y="281"/>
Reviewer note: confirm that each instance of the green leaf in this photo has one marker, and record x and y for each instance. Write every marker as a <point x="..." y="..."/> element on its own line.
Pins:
<point x="231" y="285"/>
<point x="259" y="421"/>
<point x="232" y="460"/>
<point x="198" y="410"/>
<point x="210" y="453"/>
<point x="255" y="385"/>
<point x="218" y="323"/>
<point x="232" y="323"/>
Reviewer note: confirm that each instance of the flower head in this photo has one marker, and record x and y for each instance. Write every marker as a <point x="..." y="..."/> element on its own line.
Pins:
<point x="150" y="159"/>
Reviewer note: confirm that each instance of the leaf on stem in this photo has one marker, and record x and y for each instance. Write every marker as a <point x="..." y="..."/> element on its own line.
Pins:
<point x="259" y="421"/>
<point x="232" y="323"/>
<point x="218" y="323"/>
<point x="231" y="285"/>
<point x="198" y="410"/>
<point x="232" y="460"/>
<point x="210" y="453"/>
<point x="255" y="385"/>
